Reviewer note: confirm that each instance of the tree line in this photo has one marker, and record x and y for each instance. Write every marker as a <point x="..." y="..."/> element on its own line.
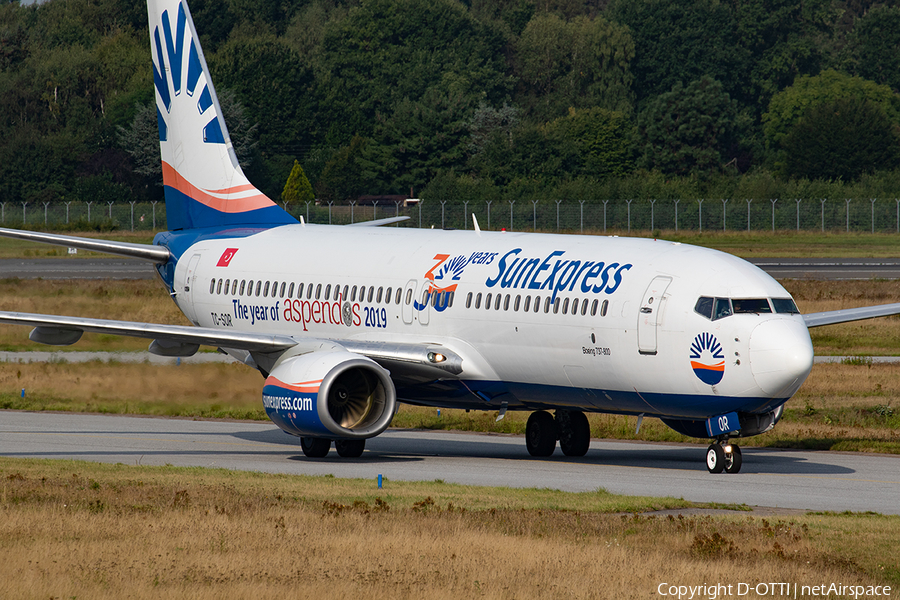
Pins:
<point x="468" y="100"/>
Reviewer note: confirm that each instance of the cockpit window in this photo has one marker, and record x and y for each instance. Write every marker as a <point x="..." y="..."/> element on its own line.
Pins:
<point x="785" y="305"/>
<point x="723" y="309"/>
<point x="751" y="305"/>
<point x="704" y="307"/>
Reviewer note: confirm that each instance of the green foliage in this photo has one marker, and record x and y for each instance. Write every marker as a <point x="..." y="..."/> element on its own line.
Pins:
<point x="678" y="41"/>
<point x="388" y="51"/>
<point x="841" y="139"/>
<point x="789" y="105"/>
<point x="601" y="139"/>
<point x="785" y="39"/>
<point x="581" y="63"/>
<point x="874" y="46"/>
<point x="347" y="174"/>
<point x="689" y="129"/>
<point x="297" y="190"/>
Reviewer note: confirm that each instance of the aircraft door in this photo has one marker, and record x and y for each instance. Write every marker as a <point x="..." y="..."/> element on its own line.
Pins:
<point x="424" y="306"/>
<point x="186" y="297"/>
<point x="406" y="303"/>
<point x="651" y="313"/>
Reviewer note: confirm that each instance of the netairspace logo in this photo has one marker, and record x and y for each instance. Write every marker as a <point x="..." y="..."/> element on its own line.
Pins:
<point x="775" y="590"/>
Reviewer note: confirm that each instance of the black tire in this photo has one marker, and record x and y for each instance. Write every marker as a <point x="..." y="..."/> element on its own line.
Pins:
<point x="734" y="462"/>
<point x="574" y="432"/>
<point x="350" y="448"/>
<point x="715" y="458"/>
<point x="315" y="447"/>
<point x="540" y="434"/>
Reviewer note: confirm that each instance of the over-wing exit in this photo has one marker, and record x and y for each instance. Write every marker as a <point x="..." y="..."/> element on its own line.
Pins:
<point x="346" y="322"/>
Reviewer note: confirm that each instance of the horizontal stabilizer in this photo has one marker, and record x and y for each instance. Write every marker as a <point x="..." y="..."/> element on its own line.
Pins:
<point x="148" y="252"/>
<point x="379" y="222"/>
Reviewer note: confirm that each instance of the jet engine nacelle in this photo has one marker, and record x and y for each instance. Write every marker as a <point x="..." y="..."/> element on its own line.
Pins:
<point x="331" y="394"/>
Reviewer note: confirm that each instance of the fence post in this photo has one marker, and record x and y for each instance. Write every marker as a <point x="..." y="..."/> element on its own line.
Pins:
<point x="511" y="202"/>
<point x="700" y="214"/>
<point x="397" y="212"/>
<point x="89" y="209"/>
<point x="443" y="202"/>
<point x="46" y="204"/>
<point x="748" y="201"/>
<point x="847" y="200"/>
<point x="132" y="214"/>
<point x="557" y="215"/>
<point x="897" y="200"/>
<point x="466" y="214"/>
<point x="307" y="212"/>
<point x="582" y="215"/>
<point x="628" y="202"/>
<point x="24" y="204"/>
<point x="676" y="214"/>
<point x="773" y="213"/>
<point x="374" y="212"/>
<point x="3" y="212"/>
<point x="822" y="201"/>
<point x="534" y="214"/>
<point x="110" y="210"/>
<point x="872" y="200"/>
<point x="652" y="215"/>
<point x="724" y="213"/>
<point x="153" y="204"/>
<point x="330" y="202"/>
<point x="605" y="202"/>
<point x="489" y="202"/>
<point x="421" y="202"/>
<point x="352" y="211"/>
<point x="798" y="201"/>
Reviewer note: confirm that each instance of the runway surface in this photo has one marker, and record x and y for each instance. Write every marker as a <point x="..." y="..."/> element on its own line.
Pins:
<point x="123" y="268"/>
<point x="769" y="478"/>
<point x="76" y="268"/>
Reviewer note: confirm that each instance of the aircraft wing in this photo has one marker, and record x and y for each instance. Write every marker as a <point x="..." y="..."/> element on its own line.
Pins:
<point x="412" y="362"/>
<point x="148" y="252"/>
<point x="846" y="315"/>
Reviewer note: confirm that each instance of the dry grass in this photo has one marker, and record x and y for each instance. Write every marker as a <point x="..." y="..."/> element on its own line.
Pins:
<point x="126" y="300"/>
<point x="94" y="531"/>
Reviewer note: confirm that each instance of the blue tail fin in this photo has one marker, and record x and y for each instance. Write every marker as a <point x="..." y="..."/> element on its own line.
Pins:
<point x="204" y="183"/>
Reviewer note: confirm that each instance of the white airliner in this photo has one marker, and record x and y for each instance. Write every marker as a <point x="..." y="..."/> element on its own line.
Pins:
<point x="344" y="322"/>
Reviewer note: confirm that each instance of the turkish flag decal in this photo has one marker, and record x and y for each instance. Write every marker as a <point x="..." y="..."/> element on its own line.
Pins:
<point x="226" y="257"/>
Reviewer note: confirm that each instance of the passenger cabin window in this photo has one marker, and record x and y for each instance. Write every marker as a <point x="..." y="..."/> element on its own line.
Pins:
<point x="291" y="290"/>
<point x="234" y="287"/>
<point x="487" y="301"/>
<point x="409" y="294"/>
<point x="397" y="297"/>
<point x="469" y="300"/>
<point x="478" y="300"/>
<point x="212" y="286"/>
<point x="527" y="303"/>
<point x="378" y="297"/>
<point x="604" y="307"/>
<point x="299" y="290"/>
<point x="266" y="290"/>
<point x="517" y="303"/>
<point x="751" y="305"/>
<point x="318" y="291"/>
<point x="243" y="286"/>
<point x="785" y="305"/>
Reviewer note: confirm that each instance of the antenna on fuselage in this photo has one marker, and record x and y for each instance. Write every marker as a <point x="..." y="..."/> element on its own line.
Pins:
<point x="302" y="221"/>
<point x="475" y="222"/>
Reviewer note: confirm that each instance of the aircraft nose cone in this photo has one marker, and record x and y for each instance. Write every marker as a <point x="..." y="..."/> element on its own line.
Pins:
<point x="781" y="356"/>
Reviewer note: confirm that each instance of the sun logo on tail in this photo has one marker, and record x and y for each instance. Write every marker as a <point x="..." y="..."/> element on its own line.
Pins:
<point x="707" y="359"/>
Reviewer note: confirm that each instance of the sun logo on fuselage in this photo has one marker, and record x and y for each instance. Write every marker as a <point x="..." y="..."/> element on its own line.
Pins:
<point x="707" y="359"/>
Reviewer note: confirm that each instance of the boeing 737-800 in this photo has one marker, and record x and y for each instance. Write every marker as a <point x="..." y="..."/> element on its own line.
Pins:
<point x="344" y="322"/>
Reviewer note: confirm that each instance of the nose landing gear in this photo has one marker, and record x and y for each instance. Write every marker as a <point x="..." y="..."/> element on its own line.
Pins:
<point x="723" y="456"/>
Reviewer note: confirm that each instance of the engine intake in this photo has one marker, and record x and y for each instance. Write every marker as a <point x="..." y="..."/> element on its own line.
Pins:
<point x="331" y="394"/>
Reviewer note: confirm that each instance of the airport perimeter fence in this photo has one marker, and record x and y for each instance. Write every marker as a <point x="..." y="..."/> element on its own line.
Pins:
<point x="875" y="215"/>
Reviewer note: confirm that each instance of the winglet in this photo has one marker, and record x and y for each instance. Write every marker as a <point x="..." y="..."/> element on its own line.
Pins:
<point x="475" y="222"/>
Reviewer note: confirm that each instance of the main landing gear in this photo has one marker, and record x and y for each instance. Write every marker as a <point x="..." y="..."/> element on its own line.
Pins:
<point x="318" y="447"/>
<point x="723" y="456"/>
<point x="570" y="427"/>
